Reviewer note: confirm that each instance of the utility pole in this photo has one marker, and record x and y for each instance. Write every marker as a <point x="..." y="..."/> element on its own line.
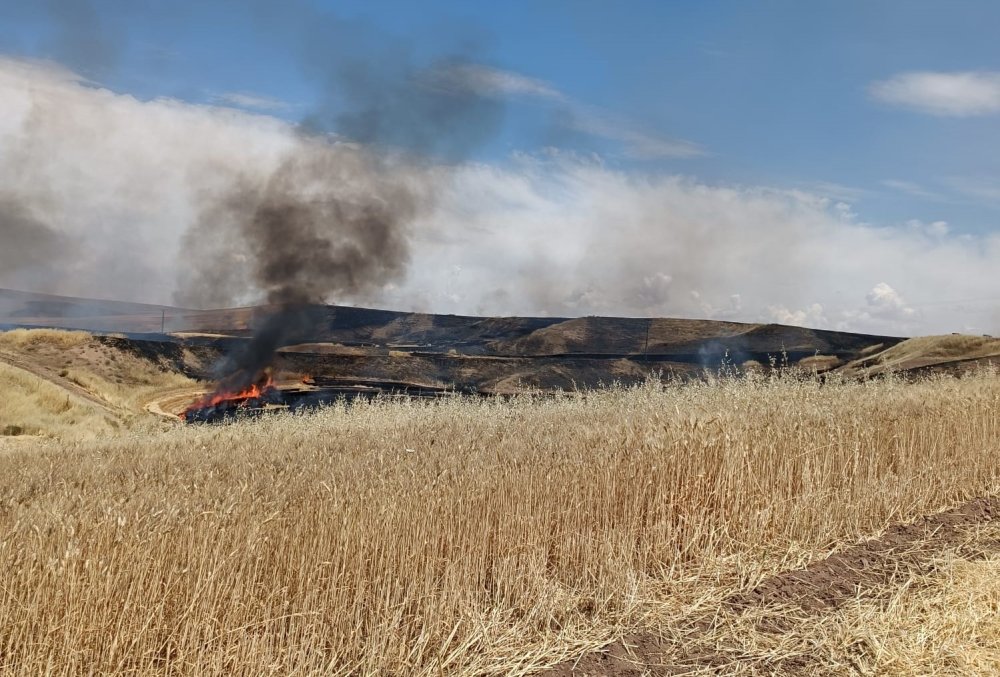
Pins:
<point x="163" y="320"/>
<point x="645" y="347"/>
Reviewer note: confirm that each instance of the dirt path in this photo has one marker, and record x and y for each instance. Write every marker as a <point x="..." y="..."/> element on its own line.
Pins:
<point x="165" y="403"/>
<point x="55" y="379"/>
<point x="902" y="552"/>
<point x="168" y="404"/>
<point x="903" y="548"/>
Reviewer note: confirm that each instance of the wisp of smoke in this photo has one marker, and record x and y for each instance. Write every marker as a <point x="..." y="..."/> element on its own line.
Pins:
<point x="27" y="240"/>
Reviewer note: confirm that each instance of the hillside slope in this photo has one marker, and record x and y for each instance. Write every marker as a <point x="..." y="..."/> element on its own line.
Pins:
<point x="75" y="385"/>
<point x="486" y="354"/>
<point x="953" y="352"/>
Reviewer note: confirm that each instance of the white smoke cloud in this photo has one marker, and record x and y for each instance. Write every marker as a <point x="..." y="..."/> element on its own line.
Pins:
<point x="118" y="176"/>
<point x="121" y="180"/>
<point x="569" y="236"/>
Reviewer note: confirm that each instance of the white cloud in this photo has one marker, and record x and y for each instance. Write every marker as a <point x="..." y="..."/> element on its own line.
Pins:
<point x="958" y="94"/>
<point x="980" y="189"/>
<point x="911" y="188"/>
<point x="811" y="316"/>
<point x="251" y="101"/>
<point x="886" y="311"/>
<point x="493" y="81"/>
<point x="934" y="229"/>
<point x="885" y="300"/>
<point x="558" y="234"/>
<point x="636" y="143"/>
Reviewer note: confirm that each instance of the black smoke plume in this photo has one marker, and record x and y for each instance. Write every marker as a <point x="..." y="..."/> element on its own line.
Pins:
<point x="332" y="220"/>
<point x="423" y="111"/>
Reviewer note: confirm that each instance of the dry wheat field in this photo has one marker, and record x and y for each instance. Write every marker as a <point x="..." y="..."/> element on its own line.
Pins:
<point x="471" y="537"/>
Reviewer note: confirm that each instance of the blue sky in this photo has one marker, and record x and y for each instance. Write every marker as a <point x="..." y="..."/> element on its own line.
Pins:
<point x="887" y="112"/>
<point x="775" y="92"/>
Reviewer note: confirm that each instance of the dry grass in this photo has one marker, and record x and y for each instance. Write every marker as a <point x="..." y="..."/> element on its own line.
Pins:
<point x="819" y="363"/>
<point x="946" y="623"/>
<point x="29" y="339"/>
<point x="952" y="346"/>
<point x="52" y="369"/>
<point x="130" y="383"/>
<point x="32" y="406"/>
<point x="462" y="537"/>
<point x="941" y="623"/>
<point x="926" y="350"/>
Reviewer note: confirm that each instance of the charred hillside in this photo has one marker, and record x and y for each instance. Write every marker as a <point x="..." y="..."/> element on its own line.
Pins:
<point x="493" y="354"/>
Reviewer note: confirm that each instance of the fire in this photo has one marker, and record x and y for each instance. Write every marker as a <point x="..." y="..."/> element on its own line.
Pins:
<point x="261" y="388"/>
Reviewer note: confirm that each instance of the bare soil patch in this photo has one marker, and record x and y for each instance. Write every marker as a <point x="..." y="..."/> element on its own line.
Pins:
<point x="902" y="548"/>
<point x="864" y="570"/>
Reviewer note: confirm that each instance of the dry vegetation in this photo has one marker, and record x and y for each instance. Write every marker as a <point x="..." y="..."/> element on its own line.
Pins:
<point x="943" y="622"/>
<point x="135" y="382"/>
<point x="925" y="351"/>
<point x="952" y="346"/>
<point x="28" y="339"/>
<point x="33" y="406"/>
<point x="460" y="537"/>
<point x="67" y="384"/>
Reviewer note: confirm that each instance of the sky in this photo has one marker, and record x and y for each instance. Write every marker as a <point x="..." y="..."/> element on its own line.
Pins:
<point x="830" y="164"/>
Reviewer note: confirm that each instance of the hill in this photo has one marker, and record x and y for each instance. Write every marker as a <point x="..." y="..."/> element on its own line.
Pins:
<point x="484" y="354"/>
<point x="952" y="353"/>
<point x="683" y="340"/>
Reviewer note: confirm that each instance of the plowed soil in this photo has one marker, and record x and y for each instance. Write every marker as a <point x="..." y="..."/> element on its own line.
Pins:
<point x="861" y="571"/>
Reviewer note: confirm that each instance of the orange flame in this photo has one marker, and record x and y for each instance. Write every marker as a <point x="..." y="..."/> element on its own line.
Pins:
<point x="254" y="390"/>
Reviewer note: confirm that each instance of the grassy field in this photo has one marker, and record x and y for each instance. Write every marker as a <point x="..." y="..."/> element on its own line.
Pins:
<point x="461" y="537"/>
<point x="30" y="405"/>
<point x="69" y="385"/>
<point x="946" y="621"/>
